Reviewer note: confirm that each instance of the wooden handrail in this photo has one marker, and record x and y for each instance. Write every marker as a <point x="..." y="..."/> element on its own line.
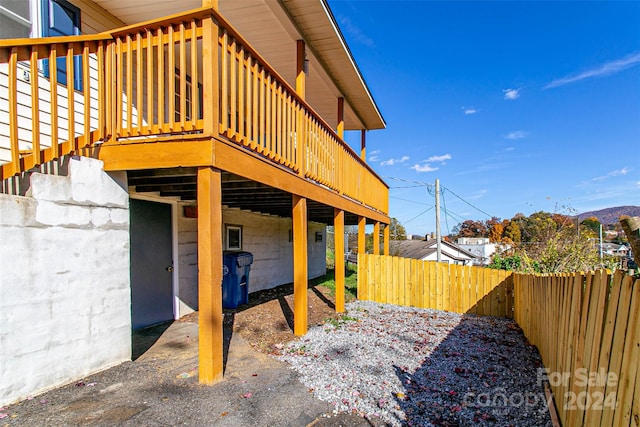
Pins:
<point x="291" y="91"/>
<point x="130" y="95"/>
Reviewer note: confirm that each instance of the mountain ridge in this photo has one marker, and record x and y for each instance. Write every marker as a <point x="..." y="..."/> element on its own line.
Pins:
<point x="611" y="215"/>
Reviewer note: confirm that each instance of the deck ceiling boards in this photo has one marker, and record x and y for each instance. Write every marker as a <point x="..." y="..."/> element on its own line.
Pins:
<point x="269" y="29"/>
<point x="237" y="192"/>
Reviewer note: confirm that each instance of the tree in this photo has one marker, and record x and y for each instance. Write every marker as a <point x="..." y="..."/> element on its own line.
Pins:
<point x="512" y="232"/>
<point x="496" y="231"/>
<point x="397" y="230"/>
<point x="470" y="228"/>
<point x="591" y="226"/>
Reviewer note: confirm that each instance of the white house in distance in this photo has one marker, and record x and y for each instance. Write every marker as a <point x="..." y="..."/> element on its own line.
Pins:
<point x="426" y="250"/>
<point x="480" y="247"/>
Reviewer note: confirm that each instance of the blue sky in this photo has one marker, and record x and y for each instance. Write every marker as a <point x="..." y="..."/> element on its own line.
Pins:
<point x="514" y="106"/>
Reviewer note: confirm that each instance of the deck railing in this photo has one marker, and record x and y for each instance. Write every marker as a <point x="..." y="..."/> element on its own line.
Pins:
<point x="154" y="79"/>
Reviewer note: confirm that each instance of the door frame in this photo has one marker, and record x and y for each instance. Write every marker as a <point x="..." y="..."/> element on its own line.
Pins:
<point x="175" y="274"/>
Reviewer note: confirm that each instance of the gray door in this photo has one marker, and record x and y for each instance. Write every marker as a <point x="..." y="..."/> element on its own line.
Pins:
<point x="151" y="263"/>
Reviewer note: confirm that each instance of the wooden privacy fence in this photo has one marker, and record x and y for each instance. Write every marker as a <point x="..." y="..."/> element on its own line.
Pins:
<point x="586" y="326"/>
<point x="587" y="330"/>
<point x="441" y="286"/>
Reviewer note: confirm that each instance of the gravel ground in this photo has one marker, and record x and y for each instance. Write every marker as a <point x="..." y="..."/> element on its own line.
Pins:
<point x="421" y="367"/>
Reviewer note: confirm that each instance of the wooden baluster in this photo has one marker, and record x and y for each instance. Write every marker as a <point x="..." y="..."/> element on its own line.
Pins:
<point x="224" y="111"/>
<point x="139" y="85"/>
<point x="86" y="89"/>
<point x="149" y="75"/>
<point x="183" y="79"/>
<point x="241" y="96"/>
<point x="162" y="100"/>
<point x="13" y="111"/>
<point x="53" y="90"/>
<point x="35" y="106"/>
<point x="129" y="78"/>
<point x="171" y="82"/>
<point x="195" y="93"/>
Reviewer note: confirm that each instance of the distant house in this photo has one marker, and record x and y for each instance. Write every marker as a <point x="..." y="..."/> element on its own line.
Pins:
<point x="481" y="247"/>
<point x="615" y="249"/>
<point x="426" y="250"/>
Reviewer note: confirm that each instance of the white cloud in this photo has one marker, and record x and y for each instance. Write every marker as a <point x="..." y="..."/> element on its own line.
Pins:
<point x="511" y="94"/>
<point x="605" y="69"/>
<point x="509" y="149"/>
<point x="373" y="156"/>
<point x="478" y="195"/>
<point x="357" y="34"/>
<point x="518" y="134"/>
<point x="441" y="158"/>
<point x="391" y="162"/>
<point x="617" y="172"/>
<point x="469" y="110"/>
<point x="424" y="168"/>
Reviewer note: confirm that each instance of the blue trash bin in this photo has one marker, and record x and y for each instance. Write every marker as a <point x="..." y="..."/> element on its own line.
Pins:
<point x="235" y="279"/>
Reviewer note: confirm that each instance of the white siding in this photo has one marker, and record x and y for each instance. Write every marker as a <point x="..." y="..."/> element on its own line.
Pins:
<point x="265" y="236"/>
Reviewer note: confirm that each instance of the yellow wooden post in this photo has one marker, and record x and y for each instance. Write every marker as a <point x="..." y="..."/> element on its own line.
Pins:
<point x="340" y="127"/>
<point x="210" y="3"/>
<point x="338" y="229"/>
<point x="363" y="145"/>
<point x="362" y="223"/>
<point x="376" y="238"/>
<point x="300" y="68"/>
<point x="210" y="82"/>
<point x="385" y="239"/>
<point x="210" y="342"/>
<point x="300" y="275"/>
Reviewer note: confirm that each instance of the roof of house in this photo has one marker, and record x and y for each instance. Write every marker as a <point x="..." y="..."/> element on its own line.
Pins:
<point x="420" y="249"/>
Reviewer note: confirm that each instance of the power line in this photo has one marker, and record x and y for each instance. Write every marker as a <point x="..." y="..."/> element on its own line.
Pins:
<point x="409" y="200"/>
<point x="446" y="221"/>
<point x="474" y="207"/>
<point x="421" y="213"/>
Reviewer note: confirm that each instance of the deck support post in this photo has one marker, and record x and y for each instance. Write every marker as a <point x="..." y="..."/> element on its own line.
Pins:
<point x="362" y="223"/>
<point x="376" y="238"/>
<point x="300" y="268"/>
<point x="385" y="239"/>
<point x="340" y="127"/>
<point x="363" y="145"/>
<point x="300" y="68"/>
<point x="338" y="229"/>
<point x="210" y="342"/>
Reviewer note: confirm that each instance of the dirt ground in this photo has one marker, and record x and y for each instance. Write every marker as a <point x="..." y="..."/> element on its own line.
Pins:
<point x="267" y="321"/>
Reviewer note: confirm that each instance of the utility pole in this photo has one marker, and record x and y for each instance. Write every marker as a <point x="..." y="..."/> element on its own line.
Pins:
<point x="438" y="236"/>
<point x="600" y="242"/>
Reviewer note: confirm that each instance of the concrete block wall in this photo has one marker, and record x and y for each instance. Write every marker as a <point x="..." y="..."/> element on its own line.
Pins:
<point x="265" y="236"/>
<point x="64" y="280"/>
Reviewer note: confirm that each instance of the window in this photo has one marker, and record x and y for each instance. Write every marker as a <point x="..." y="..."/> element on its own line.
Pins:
<point x="188" y="101"/>
<point x="233" y="237"/>
<point x="61" y="18"/>
<point x="15" y="19"/>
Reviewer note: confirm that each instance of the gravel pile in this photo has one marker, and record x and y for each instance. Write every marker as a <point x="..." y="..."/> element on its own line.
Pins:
<point x="421" y="367"/>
